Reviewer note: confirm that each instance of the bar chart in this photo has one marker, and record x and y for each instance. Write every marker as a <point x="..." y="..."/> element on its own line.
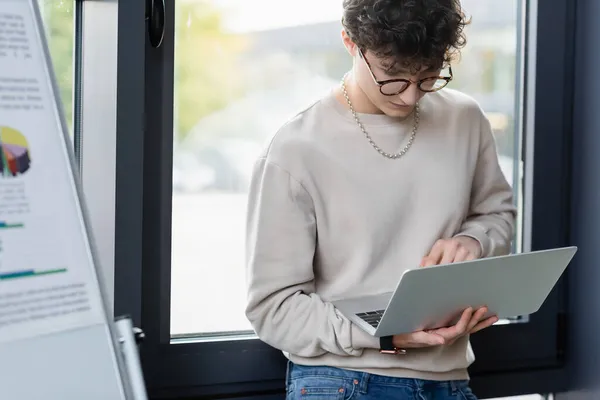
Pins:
<point x="10" y="225"/>
<point x="29" y="273"/>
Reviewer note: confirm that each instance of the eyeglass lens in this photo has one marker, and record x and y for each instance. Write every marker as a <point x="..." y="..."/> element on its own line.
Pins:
<point x="426" y="85"/>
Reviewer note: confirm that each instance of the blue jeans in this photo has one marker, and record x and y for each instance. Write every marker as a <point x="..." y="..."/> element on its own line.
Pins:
<point x="326" y="383"/>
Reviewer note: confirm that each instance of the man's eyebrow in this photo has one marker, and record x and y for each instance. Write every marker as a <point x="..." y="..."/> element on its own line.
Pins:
<point x="432" y="69"/>
<point x="394" y="69"/>
<point x="408" y="71"/>
<point x="401" y="70"/>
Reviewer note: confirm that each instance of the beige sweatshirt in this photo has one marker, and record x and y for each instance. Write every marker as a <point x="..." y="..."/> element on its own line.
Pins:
<point x="329" y="217"/>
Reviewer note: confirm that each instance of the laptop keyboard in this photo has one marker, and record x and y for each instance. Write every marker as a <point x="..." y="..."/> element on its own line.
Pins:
<point x="371" y="317"/>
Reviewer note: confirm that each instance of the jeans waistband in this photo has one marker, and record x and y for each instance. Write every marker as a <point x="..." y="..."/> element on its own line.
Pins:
<point x="363" y="379"/>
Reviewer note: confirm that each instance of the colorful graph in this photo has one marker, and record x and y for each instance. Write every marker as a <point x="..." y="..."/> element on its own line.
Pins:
<point x="28" y="273"/>
<point x="14" y="153"/>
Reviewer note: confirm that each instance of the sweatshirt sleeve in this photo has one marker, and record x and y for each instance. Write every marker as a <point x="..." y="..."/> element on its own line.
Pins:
<point x="282" y="305"/>
<point x="492" y="214"/>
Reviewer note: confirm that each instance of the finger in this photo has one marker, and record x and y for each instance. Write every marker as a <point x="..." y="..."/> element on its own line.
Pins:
<point x="428" y="262"/>
<point x="459" y="329"/>
<point x="477" y="317"/>
<point x="463" y="322"/>
<point x="462" y="254"/>
<point x="486" y="323"/>
<point x="435" y="255"/>
<point x="471" y="257"/>
<point x="452" y="319"/>
<point x="449" y="252"/>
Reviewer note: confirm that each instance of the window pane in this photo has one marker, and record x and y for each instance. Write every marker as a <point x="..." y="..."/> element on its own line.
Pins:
<point x="240" y="73"/>
<point x="488" y="71"/>
<point x="59" y="23"/>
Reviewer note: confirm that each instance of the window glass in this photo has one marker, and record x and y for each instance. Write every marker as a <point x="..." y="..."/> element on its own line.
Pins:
<point x="240" y="73"/>
<point x="58" y="17"/>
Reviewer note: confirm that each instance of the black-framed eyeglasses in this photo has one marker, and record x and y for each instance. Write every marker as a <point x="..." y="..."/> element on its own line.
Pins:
<point x="393" y="87"/>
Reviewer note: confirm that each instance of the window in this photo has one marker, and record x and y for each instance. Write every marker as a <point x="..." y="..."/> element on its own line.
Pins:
<point x="59" y="21"/>
<point x="194" y="121"/>
<point x="262" y="69"/>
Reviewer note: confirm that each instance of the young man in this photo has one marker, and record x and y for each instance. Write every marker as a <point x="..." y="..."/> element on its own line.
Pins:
<point x="388" y="172"/>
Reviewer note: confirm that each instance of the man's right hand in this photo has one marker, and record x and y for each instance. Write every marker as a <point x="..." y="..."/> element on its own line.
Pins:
<point x="470" y="322"/>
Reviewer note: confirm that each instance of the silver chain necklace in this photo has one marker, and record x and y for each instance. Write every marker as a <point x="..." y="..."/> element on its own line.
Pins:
<point x="362" y="128"/>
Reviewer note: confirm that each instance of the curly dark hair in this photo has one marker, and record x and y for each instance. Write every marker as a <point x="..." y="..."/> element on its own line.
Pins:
<point x="407" y="34"/>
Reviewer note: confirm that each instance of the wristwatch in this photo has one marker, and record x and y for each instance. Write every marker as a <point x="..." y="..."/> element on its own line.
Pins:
<point x="386" y="346"/>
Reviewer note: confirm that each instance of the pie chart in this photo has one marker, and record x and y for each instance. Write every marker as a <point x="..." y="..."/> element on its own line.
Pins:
<point x="14" y="153"/>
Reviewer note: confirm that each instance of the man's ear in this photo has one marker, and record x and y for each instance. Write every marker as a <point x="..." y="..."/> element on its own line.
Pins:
<point x="349" y="44"/>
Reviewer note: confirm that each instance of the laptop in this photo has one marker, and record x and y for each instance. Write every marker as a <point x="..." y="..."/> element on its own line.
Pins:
<point x="434" y="297"/>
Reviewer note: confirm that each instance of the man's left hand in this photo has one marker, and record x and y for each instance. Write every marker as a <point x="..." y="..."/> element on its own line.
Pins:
<point x="456" y="249"/>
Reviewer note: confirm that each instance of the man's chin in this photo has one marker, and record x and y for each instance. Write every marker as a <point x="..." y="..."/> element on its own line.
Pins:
<point x="393" y="110"/>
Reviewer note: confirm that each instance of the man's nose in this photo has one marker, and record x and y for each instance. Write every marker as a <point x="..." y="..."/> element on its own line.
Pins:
<point x="411" y="95"/>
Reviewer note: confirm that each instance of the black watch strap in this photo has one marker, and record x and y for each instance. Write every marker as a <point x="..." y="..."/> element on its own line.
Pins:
<point x="386" y="343"/>
<point x="386" y="346"/>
